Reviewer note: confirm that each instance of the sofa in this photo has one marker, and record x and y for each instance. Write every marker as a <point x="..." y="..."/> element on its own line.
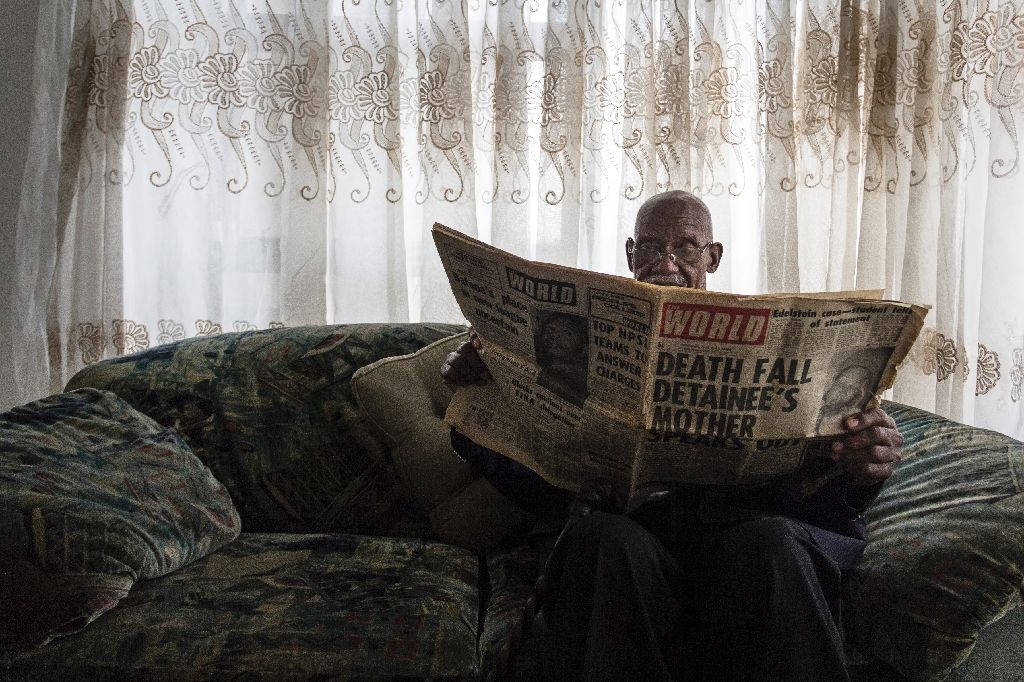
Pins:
<point x="365" y="549"/>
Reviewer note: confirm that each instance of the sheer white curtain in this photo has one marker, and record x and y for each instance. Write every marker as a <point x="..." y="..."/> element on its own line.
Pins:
<point x="943" y="209"/>
<point x="231" y="164"/>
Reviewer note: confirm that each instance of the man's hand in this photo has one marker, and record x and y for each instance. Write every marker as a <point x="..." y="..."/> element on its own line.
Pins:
<point x="464" y="366"/>
<point x="870" y="448"/>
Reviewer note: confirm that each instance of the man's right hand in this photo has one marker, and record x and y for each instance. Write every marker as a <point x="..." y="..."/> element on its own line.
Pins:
<point x="464" y="366"/>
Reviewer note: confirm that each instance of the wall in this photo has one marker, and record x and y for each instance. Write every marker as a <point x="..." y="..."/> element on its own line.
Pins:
<point x="17" y="32"/>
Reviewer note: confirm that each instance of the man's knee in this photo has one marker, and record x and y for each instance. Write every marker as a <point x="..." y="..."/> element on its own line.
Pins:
<point x="603" y="532"/>
<point x="598" y="555"/>
<point x="612" y="543"/>
<point x="764" y="542"/>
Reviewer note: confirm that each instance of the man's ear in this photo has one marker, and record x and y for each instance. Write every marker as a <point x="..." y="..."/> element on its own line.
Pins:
<point x="715" y="252"/>
<point x="630" y="245"/>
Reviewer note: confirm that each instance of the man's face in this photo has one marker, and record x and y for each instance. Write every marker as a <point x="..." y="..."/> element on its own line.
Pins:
<point x="667" y="228"/>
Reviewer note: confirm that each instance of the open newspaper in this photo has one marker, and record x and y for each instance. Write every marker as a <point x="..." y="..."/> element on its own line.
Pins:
<point x="648" y="386"/>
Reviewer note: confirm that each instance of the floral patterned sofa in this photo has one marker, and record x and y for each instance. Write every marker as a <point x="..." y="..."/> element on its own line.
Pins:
<point x="338" y="572"/>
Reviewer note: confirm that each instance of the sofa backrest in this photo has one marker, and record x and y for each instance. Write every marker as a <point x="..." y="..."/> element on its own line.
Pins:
<point x="272" y="414"/>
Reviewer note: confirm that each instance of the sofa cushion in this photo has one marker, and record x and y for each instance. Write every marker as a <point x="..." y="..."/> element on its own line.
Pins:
<point x="94" y="496"/>
<point x="512" y="574"/>
<point x="271" y="412"/>
<point x="999" y="654"/>
<point x="286" y="607"/>
<point x="405" y="398"/>
<point x="946" y="546"/>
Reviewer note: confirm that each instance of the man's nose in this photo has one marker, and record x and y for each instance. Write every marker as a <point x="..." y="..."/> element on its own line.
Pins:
<point x="666" y="265"/>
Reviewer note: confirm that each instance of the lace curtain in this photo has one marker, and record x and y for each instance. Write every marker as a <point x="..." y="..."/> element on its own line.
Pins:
<point x="220" y="165"/>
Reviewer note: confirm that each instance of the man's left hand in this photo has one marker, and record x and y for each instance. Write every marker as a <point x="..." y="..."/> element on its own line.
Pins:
<point x="870" y="448"/>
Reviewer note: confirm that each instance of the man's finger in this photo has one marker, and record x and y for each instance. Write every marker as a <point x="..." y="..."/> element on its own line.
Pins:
<point x="869" y="419"/>
<point x="456" y="368"/>
<point x="876" y="454"/>
<point x="465" y="351"/>
<point x="464" y="366"/>
<point x="473" y="361"/>
<point x="874" y="435"/>
<point x="452" y="375"/>
<point x="871" y="473"/>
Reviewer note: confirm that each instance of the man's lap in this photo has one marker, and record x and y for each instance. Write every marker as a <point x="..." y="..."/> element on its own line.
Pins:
<point x="614" y="584"/>
<point x="672" y="517"/>
<point x="681" y="519"/>
<point x="696" y="548"/>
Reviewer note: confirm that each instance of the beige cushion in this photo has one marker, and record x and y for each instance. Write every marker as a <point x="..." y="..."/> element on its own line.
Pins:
<point x="405" y="398"/>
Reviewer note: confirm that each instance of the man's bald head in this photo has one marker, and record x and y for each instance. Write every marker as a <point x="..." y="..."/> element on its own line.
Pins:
<point x="674" y="202"/>
<point x="672" y="243"/>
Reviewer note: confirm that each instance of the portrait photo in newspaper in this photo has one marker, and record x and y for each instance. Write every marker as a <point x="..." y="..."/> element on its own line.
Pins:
<point x="561" y="345"/>
<point x="855" y="372"/>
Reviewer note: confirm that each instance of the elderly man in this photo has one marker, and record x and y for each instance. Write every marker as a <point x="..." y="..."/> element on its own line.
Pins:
<point x="700" y="582"/>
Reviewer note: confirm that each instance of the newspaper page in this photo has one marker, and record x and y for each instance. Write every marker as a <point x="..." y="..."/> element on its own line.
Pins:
<point x="649" y="386"/>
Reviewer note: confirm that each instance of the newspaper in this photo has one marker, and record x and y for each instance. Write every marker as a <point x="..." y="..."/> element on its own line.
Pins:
<point x="651" y="386"/>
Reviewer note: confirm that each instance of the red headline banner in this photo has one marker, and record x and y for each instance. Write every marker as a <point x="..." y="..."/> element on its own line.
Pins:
<point x="721" y="324"/>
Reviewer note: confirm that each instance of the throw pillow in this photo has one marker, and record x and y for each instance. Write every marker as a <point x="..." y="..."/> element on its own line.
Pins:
<point x="946" y="546"/>
<point x="271" y="412"/>
<point x="405" y="398"/>
<point x="93" y="497"/>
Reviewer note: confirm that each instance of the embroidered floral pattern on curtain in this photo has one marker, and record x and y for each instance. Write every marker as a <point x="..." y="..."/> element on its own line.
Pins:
<point x="840" y="144"/>
<point x="272" y="86"/>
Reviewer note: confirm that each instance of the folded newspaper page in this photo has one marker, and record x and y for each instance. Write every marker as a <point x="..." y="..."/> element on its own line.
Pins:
<point x="651" y="386"/>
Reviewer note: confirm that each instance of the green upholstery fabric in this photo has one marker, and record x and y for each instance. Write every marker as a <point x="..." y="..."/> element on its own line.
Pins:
<point x="272" y="414"/>
<point x="946" y="547"/>
<point x="283" y="607"/>
<point x="512" y="574"/>
<point x="94" y="496"/>
<point x="989" y="660"/>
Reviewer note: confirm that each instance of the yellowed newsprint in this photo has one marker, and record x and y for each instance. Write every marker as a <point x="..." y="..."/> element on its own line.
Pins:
<point x="648" y="386"/>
